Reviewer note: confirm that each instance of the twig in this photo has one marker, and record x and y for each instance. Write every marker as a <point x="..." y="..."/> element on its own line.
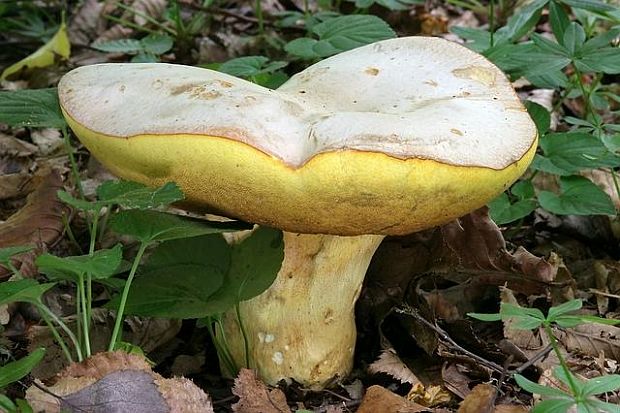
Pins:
<point x="443" y="336"/>
<point x="533" y="360"/>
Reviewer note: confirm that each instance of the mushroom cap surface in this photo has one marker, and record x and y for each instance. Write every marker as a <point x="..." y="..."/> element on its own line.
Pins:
<point x="388" y="138"/>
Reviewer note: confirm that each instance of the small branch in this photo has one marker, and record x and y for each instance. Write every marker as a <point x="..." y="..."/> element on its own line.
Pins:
<point x="444" y="337"/>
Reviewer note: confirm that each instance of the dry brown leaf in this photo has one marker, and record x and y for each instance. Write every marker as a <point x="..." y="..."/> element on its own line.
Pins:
<point x="13" y="147"/>
<point x="151" y="8"/>
<point x="480" y="400"/>
<point x="14" y="185"/>
<point x="591" y="339"/>
<point x="48" y="140"/>
<point x="455" y="379"/>
<point x="390" y="364"/>
<point x="38" y="223"/>
<point x="118" y="382"/>
<point x="379" y="399"/>
<point x="184" y="364"/>
<point x="510" y="408"/>
<point x="429" y="396"/>
<point x="87" y="23"/>
<point x="255" y="397"/>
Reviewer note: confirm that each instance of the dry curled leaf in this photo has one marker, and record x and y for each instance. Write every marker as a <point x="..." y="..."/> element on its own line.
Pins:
<point x="38" y="223"/>
<point x="117" y="382"/>
<point x="480" y="400"/>
<point x="390" y="364"/>
<point x="429" y="395"/>
<point x="255" y="397"/>
<point x="379" y="399"/>
<point x="150" y="8"/>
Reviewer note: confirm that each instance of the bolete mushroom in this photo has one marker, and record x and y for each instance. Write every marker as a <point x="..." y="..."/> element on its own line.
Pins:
<point x="386" y="139"/>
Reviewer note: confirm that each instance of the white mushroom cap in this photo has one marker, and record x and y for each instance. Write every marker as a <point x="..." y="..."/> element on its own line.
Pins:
<point x="388" y="138"/>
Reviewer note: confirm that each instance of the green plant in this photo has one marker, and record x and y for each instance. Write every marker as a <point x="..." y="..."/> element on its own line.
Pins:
<point x="128" y="208"/>
<point x="575" y="65"/>
<point x="15" y="371"/>
<point x="581" y="394"/>
<point x="146" y="50"/>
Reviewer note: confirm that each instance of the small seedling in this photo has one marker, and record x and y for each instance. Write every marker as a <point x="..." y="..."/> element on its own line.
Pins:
<point x="581" y="394"/>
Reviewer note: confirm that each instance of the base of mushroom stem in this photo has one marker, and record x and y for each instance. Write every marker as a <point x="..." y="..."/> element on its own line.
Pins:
<point x="303" y="326"/>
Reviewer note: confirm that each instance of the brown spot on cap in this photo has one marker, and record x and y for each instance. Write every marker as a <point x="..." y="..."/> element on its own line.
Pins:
<point x="456" y="131"/>
<point x="372" y="71"/>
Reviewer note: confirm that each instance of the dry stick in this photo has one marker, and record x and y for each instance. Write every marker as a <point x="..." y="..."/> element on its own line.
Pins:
<point x="442" y="335"/>
<point x="533" y="360"/>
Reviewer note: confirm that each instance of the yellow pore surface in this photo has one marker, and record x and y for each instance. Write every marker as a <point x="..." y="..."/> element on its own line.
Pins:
<point x="339" y="193"/>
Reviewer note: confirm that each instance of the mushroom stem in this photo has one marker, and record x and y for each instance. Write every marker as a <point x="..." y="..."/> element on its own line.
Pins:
<point x="303" y="326"/>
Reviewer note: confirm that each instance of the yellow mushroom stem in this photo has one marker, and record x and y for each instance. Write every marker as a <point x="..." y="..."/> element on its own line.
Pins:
<point x="303" y="326"/>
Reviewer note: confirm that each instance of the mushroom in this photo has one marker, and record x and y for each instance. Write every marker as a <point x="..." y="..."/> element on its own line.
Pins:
<point x="386" y="139"/>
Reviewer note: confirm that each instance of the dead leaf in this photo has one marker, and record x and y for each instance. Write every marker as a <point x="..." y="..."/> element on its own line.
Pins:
<point x="86" y="23"/>
<point x="591" y="339"/>
<point x="184" y="364"/>
<point x="14" y="147"/>
<point x="480" y="400"/>
<point x="39" y="222"/>
<point x="510" y="408"/>
<point x="429" y="396"/>
<point x="14" y="185"/>
<point x="150" y="8"/>
<point x="390" y="364"/>
<point x="455" y="379"/>
<point x="255" y="397"/>
<point x="48" y="140"/>
<point x="379" y="399"/>
<point x="118" y="382"/>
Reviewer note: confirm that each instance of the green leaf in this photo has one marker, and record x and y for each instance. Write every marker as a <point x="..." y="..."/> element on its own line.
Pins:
<point x="521" y="318"/>
<point x="156" y="44"/>
<point x="606" y="60"/>
<point x="536" y="388"/>
<point x="256" y="262"/>
<point x="576" y="151"/>
<point x="574" y="38"/>
<point x="601" y="384"/>
<point x="36" y="108"/>
<point x="598" y="405"/>
<point x="149" y="226"/>
<point x="559" y="20"/>
<point x="340" y="34"/>
<point x="27" y="290"/>
<point x="520" y="23"/>
<point x="523" y="190"/>
<point x="6" y="403"/>
<point x="144" y="57"/>
<point x="480" y="39"/>
<point x="596" y="6"/>
<point x="8" y="252"/>
<point x="502" y="211"/>
<point x="249" y="66"/>
<point x="254" y="266"/>
<point x="485" y="317"/>
<point x="179" y="277"/>
<point x="570" y="321"/>
<point x="567" y="307"/>
<point x="540" y="115"/>
<point x="557" y="405"/>
<point x="119" y="46"/>
<point x="16" y="370"/>
<point x="135" y="195"/>
<point x="579" y="196"/>
<point x="102" y="264"/>
<point x="81" y="204"/>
